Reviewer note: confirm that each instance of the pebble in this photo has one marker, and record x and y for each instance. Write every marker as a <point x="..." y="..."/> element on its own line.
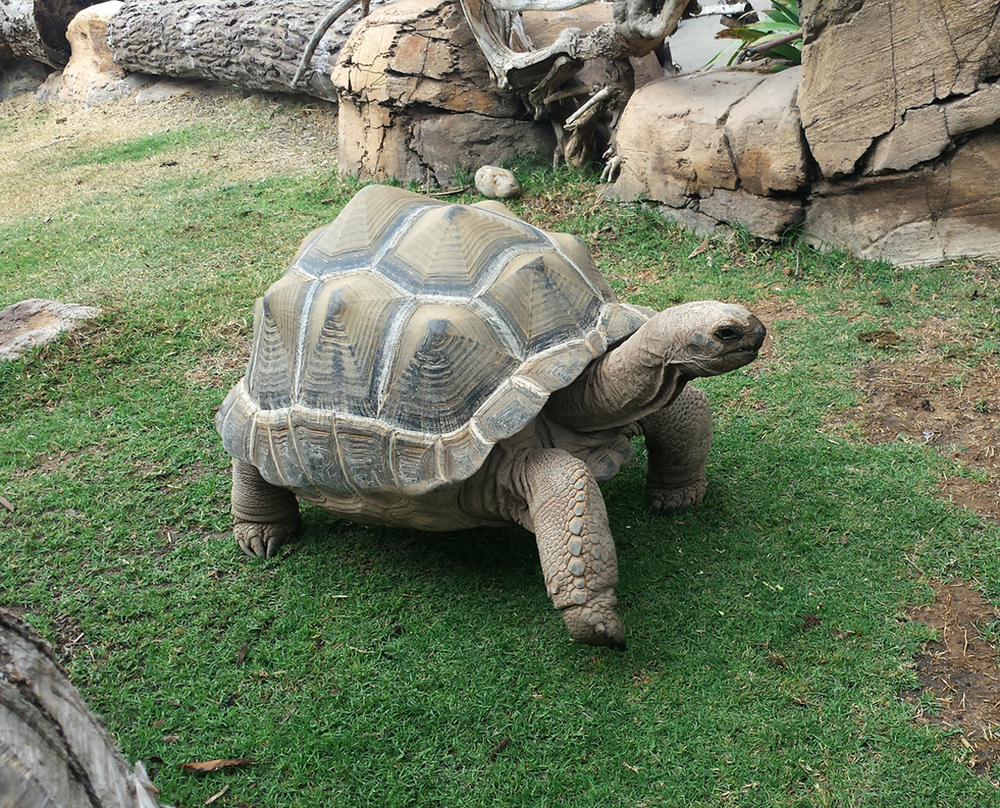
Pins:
<point x="497" y="183"/>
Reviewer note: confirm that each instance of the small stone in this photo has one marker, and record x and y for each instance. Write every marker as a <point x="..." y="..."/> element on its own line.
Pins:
<point x="497" y="183"/>
<point x="576" y="527"/>
<point x="575" y="547"/>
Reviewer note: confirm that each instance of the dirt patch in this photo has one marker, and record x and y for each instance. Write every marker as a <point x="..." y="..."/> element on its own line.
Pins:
<point x="959" y="673"/>
<point x="952" y="408"/>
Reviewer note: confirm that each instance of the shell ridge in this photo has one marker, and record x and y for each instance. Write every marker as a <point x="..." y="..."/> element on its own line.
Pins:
<point x="499" y="265"/>
<point x="401" y="227"/>
<point x="392" y="340"/>
<point x="300" y="342"/>
<point x="498" y="323"/>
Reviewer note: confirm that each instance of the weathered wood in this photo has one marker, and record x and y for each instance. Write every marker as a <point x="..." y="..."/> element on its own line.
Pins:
<point x="36" y="29"/>
<point x="54" y="752"/>
<point x="256" y="44"/>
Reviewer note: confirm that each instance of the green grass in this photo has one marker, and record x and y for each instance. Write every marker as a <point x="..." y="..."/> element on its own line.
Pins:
<point x="767" y="641"/>
<point x="141" y="148"/>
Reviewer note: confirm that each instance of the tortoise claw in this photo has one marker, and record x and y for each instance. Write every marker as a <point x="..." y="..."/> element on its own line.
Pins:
<point x="259" y="540"/>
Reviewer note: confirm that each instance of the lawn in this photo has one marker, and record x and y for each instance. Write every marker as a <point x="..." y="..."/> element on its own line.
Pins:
<point x="769" y="645"/>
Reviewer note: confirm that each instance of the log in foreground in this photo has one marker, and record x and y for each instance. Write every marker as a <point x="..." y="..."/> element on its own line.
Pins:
<point x="54" y="752"/>
<point x="36" y="29"/>
<point x="254" y="44"/>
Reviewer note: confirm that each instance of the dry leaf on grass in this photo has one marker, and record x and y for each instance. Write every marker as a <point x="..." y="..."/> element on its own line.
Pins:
<point x="700" y="248"/>
<point x="202" y="767"/>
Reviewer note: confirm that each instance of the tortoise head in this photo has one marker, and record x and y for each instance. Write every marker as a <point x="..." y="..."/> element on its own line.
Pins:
<point x="706" y="338"/>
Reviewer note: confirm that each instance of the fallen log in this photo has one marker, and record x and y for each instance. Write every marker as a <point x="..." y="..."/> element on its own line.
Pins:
<point x="54" y="752"/>
<point x="36" y="29"/>
<point x="255" y="44"/>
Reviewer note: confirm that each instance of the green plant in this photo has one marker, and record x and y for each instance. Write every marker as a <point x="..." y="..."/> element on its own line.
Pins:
<point x="778" y="33"/>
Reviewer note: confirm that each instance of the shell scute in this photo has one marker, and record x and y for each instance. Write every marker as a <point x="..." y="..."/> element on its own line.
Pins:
<point x="450" y="250"/>
<point x="544" y="301"/>
<point x="342" y="345"/>
<point x="448" y="362"/>
<point x="408" y="337"/>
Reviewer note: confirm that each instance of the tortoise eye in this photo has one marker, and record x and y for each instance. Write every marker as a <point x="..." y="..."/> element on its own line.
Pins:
<point x="728" y="333"/>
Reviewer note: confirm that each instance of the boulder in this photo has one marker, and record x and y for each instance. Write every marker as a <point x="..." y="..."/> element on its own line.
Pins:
<point x="947" y="209"/>
<point x="765" y="137"/>
<point x="672" y="139"/>
<point x="867" y="65"/>
<point x="91" y="75"/>
<point x="418" y="103"/>
<point x="726" y="144"/>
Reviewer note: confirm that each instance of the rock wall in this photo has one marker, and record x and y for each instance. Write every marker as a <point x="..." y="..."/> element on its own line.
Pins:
<point x="883" y="143"/>
<point x="418" y="102"/>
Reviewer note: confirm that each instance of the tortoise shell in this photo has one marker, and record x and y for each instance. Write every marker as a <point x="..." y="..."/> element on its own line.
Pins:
<point x="406" y="339"/>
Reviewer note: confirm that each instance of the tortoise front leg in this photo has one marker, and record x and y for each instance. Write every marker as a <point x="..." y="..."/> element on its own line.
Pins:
<point x="264" y="515"/>
<point x="678" y="439"/>
<point x="575" y="546"/>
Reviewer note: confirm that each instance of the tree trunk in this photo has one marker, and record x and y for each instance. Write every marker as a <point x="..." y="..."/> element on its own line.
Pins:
<point x="54" y="752"/>
<point x="36" y="29"/>
<point x="256" y="44"/>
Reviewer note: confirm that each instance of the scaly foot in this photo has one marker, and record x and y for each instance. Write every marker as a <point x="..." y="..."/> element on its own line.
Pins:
<point x="667" y="499"/>
<point x="596" y="622"/>
<point x="263" y="539"/>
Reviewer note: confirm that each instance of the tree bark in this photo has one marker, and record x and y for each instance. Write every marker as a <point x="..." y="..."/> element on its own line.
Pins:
<point x="256" y="44"/>
<point x="36" y="29"/>
<point x="54" y="752"/>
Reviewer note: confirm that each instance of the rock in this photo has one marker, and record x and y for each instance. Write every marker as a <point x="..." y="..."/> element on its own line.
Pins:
<point x="34" y="322"/>
<point x="671" y="137"/>
<point x="925" y="133"/>
<point x="921" y="217"/>
<point x="497" y="183"/>
<point x="417" y="101"/>
<point x="762" y="216"/>
<point x="91" y="75"/>
<point x="167" y="89"/>
<point x="21" y="76"/>
<point x="765" y="137"/>
<point x="866" y="65"/>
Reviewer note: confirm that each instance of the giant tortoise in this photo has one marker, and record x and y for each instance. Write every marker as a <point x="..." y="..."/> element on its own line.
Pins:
<point x="440" y="366"/>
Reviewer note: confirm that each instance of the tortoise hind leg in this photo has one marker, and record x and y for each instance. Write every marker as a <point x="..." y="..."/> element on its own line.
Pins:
<point x="264" y="515"/>
<point x="678" y="439"/>
<point x="575" y="546"/>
